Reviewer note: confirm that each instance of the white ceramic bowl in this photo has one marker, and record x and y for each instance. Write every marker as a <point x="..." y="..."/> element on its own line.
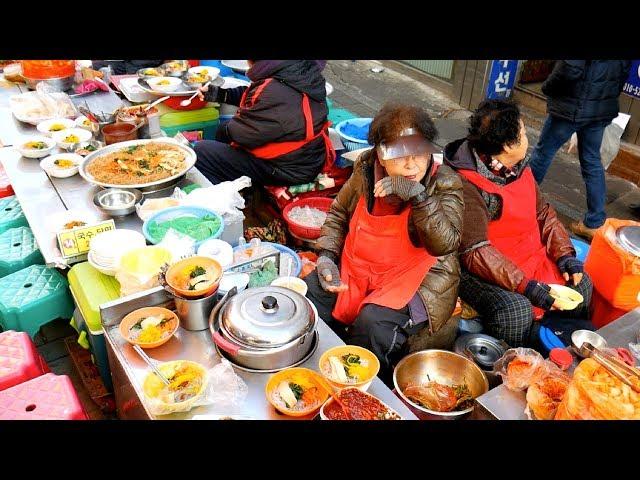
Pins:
<point x="61" y="137"/>
<point x="35" y="152"/>
<point x="84" y="122"/>
<point x="230" y="280"/>
<point x="45" y="127"/>
<point x="292" y="283"/>
<point x="217" y="249"/>
<point x="172" y="83"/>
<point x="213" y="72"/>
<point x="107" y="271"/>
<point x="236" y="65"/>
<point x="49" y="165"/>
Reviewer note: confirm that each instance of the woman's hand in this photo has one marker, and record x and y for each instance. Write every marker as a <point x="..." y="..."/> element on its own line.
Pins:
<point x="572" y="268"/>
<point x="329" y="275"/>
<point x="397" y="185"/>
<point x="202" y="93"/>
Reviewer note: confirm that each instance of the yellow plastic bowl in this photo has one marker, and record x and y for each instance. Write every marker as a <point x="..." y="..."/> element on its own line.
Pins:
<point x="132" y="318"/>
<point x="566" y="298"/>
<point x="178" y="275"/>
<point x="152" y="386"/>
<point x="364" y="383"/>
<point x="145" y="260"/>
<point x="302" y="376"/>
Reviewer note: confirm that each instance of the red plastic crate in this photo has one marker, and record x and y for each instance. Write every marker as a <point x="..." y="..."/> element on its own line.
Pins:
<point x="19" y="359"/>
<point x="47" y="397"/>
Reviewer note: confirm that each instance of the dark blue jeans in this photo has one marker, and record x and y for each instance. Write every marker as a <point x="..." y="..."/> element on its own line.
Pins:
<point x="555" y="133"/>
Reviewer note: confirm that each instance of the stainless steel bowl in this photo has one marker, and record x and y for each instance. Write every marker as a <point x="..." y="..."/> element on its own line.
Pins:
<point x="184" y="66"/>
<point x="117" y="202"/>
<point x="580" y="336"/>
<point x="60" y="84"/>
<point x="440" y="366"/>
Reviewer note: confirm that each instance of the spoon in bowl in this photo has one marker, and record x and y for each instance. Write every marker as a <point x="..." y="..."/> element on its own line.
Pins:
<point x="186" y="103"/>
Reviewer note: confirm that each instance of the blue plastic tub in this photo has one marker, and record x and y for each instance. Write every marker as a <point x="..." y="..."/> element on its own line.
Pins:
<point x="582" y="249"/>
<point x="296" y="258"/>
<point x="175" y="212"/>
<point x="549" y="340"/>
<point x="353" y="132"/>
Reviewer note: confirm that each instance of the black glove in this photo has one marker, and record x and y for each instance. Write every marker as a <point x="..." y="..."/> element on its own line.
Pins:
<point x="211" y="95"/>
<point x="402" y="187"/>
<point x="326" y="266"/>
<point x="570" y="265"/>
<point x="538" y="294"/>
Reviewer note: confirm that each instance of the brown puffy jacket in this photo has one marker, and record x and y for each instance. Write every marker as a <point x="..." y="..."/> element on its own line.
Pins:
<point x="436" y="224"/>
<point x="477" y="255"/>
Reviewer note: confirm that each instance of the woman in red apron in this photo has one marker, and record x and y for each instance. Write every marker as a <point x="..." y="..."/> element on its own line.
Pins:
<point x="279" y="134"/>
<point x="387" y="268"/>
<point x="513" y="246"/>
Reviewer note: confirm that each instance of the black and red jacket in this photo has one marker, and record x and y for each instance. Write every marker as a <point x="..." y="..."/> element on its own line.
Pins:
<point x="271" y="116"/>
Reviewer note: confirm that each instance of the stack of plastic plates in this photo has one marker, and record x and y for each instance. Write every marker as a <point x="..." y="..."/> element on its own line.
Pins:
<point x="108" y="247"/>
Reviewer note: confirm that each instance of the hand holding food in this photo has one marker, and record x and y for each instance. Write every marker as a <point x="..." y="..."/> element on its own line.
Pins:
<point x="329" y="275"/>
<point x="397" y="185"/>
<point x="539" y="296"/>
<point x="571" y="268"/>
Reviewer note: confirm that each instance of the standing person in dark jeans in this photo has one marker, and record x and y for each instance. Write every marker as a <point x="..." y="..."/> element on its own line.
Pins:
<point x="582" y="97"/>
<point x="279" y="135"/>
<point x="513" y="244"/>
<point x="394" y="231"/>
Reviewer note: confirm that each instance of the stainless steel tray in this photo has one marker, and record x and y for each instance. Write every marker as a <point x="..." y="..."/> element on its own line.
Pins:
<point x="182" y="91"/>
<point x="147" y="187"/>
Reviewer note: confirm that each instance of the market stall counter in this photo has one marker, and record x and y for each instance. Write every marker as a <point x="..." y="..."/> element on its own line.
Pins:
<point x="503" y="404"/>
<point x="128" y="369"/>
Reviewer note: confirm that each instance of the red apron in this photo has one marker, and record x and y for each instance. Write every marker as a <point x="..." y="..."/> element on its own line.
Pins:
<point x="379" y="263"/>
<point x="516" y="233"/>
<point x="272" y="150"/>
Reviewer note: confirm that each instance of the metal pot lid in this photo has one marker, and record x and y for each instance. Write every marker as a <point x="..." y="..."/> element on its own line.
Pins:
<point x="267" y="317"/>
<point x="629" y="239"/>
<point x="483" y="349"/>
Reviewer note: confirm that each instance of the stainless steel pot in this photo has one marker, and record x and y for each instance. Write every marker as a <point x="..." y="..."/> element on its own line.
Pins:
<point x="484" y="350"/>
<point x="194" y="314"/>
<point x="267" y="328"/>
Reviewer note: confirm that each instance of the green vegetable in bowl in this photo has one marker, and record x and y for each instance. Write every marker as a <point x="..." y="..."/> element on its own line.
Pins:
<point x="197" y="271"/>
<point x="197" y="228"/>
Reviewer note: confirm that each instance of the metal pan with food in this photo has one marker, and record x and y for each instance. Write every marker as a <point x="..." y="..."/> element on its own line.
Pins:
<point x="148" y="165"/>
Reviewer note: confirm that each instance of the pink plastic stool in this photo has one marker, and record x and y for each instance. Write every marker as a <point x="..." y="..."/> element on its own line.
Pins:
<point x="47" y="397"/>
<point x="19" y="359"/>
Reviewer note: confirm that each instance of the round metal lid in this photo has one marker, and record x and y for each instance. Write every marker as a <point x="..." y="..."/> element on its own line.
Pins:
<point x="267" y="316"/>
<point x="629" y="239"/>
<point x="483" y="349"/>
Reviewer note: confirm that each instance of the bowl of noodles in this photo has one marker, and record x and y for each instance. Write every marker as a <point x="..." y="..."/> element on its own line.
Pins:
<point x="349" y="366"/>
<point x="295" y="392"/>
<point x="149" y="327"/>
<point x="187" y="386"/>
<point x="147" y="164"/>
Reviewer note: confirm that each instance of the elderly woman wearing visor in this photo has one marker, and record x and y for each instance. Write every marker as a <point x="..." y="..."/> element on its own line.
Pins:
<point x="393" y="229"/>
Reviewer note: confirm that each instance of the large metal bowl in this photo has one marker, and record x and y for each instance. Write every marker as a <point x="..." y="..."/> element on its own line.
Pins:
<point x="144" y="187"/>
<point x="117" y="202"/>
<point x="440" y="366"/>
<point x="580" y="336"/>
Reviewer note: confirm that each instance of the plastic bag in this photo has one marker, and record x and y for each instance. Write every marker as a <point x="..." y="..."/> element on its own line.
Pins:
<point x="309" y="263"/>
<point x="518" y="367"/>
<point x="153" y="205"/>
<point x="220" y="386"/>
<point x="610" y="139"/>
<point x="41" y="105"/>
<point x="546" y="392"/>
<point x="179" y="244"/>
<point x="595" y="394"/>
<point x="223" y="198"/>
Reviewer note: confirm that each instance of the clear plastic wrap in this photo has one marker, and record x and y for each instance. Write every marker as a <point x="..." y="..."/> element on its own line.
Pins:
<point x="546" y="392"/>
<point x="518" y="367"/>
<point x="41" y="105"/>
<point x="595" y="394"/>
<point x="219" y="386"/>
<point x="179" y="244"/>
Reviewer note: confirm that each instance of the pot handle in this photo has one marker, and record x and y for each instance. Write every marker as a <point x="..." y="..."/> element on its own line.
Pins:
<point x="225" y="344"/>
<point x="214" y="313"/>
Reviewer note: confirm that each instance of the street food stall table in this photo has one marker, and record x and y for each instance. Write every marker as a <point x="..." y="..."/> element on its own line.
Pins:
<point x="128" y="370"/>
<point x="503" y="404"/>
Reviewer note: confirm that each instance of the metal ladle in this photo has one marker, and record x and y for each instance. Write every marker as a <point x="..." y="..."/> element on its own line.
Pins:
<point x="615" y="367"/>
<point x="147" y="360"/>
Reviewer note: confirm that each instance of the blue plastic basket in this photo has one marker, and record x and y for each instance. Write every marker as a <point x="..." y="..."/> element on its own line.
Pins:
<point x="352" y="143"/>
<point x="175" y="212"/>
<point x="284" y="249"/>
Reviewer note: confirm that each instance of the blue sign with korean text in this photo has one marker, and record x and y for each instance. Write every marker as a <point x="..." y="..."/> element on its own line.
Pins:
<point x="502" y="78"/>
<point x="632" y="87"/>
